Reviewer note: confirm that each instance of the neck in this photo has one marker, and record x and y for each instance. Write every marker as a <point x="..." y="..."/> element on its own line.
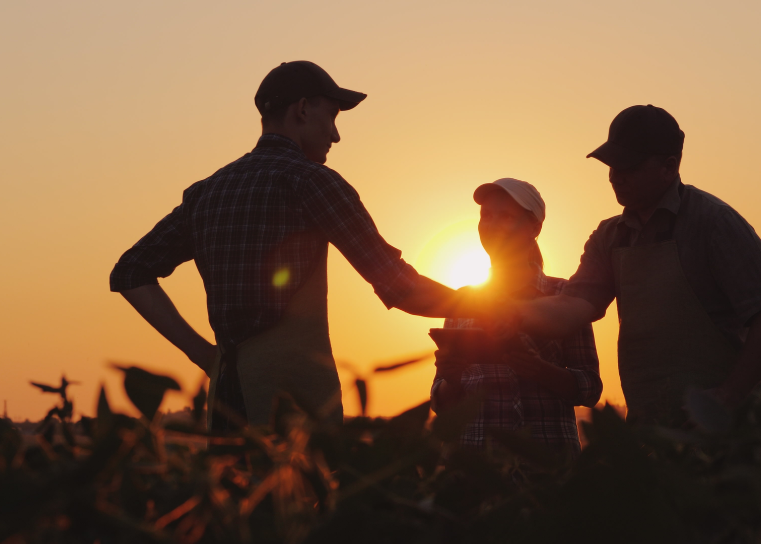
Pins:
<point x="645" y="213"/>
<point x="283" y="131"/>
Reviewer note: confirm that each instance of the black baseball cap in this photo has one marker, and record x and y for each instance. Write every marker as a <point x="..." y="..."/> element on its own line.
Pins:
<point x="638" y="133"/>
<point x="292" y="81"/>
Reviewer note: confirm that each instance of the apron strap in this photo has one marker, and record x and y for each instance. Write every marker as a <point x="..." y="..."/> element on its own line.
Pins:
<point x="623" y="236"/>
<point x="229" y="407"/>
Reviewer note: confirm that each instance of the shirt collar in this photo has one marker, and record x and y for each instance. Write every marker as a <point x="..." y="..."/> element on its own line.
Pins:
<point x="278" y="140"/>
<point x="670" y="201"/>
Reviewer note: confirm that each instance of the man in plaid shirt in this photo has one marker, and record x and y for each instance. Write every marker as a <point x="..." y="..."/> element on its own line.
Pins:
<point x="258" y="230"/>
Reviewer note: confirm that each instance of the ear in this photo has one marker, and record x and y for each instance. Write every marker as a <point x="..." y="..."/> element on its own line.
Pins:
<point x="301" y="110"/>
<point x="670" y="168"/>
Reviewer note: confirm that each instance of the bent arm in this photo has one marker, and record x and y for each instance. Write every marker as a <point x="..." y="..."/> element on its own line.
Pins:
<point x="747" y="372"/>
<point x="334" y="207"/>
<point x="155" y="306"/>
<point x="735" y="263"/>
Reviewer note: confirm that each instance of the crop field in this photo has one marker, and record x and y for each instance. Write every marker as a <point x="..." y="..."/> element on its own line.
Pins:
<point x="117" y="479"/>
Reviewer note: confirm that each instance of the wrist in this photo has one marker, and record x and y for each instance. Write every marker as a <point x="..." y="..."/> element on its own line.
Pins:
<point x="201" y="352"/>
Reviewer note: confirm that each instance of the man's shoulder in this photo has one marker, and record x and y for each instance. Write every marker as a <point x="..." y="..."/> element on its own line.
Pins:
<point x="709" y="208"/>
<point x="266" y="166"/>
<point x="609" y="223"/>
<point x="704" y="201"/>
<point x="286" y="163"/>
<point x="241" y="164"/>
<point x="605" y="231"/>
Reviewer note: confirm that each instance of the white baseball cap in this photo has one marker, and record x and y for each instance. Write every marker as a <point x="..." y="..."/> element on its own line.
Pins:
<point x="522" y="192"/>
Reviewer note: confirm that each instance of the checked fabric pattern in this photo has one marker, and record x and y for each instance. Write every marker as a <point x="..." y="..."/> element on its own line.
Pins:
<point x="511" y="402"/>
<point x="255" y="229"/>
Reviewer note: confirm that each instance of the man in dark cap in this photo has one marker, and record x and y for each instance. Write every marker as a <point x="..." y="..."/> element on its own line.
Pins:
<point x="684" y="268"/>
<point x="258" y="230"/>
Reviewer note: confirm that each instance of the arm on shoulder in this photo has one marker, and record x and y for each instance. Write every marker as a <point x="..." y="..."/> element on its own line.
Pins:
<point x="557" y="316"/>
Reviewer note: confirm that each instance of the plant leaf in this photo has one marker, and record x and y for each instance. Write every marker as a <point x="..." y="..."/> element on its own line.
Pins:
<point x="145" y="389"/>
<point x="524" y="446"/>
<point x="394" y="366"/>
<point x="199" y="403"/>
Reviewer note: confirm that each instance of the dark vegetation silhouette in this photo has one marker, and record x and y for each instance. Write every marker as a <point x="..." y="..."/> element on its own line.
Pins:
<point x="118" y="479"/>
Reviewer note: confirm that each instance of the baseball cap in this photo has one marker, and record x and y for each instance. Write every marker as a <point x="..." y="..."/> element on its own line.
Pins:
<point x="292" y="81"/>
<point x="522" y="192"/>
<point x="638" y="133"/>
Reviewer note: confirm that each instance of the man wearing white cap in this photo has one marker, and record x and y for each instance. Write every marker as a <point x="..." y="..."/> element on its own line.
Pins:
<point x="538" y="382"/>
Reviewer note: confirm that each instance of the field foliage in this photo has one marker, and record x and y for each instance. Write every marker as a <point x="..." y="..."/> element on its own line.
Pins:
<point x="116" y="479"/>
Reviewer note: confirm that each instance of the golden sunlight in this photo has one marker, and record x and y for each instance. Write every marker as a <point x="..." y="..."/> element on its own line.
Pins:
<point x="455" y="257"/>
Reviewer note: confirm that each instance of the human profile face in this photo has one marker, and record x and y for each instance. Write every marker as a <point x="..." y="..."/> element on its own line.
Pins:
<point x="318" y="131"/>
<point x="641" y="187"/>
<point x="506" y="229"/>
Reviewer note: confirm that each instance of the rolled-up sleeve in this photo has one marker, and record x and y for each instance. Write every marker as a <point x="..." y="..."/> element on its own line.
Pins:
<point x="335" y="208"/>
<point x="580" y="358"/>
<point x="154" y="256"/>
<point x="593" y="280"/>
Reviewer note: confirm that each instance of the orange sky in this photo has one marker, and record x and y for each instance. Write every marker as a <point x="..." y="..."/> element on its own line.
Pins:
<point x="109" y="110"/>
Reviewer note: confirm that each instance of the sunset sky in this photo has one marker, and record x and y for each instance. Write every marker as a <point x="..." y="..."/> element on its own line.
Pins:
<point x="110" y="109"/>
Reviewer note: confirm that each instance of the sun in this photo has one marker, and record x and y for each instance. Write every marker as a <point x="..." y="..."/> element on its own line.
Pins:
<point x="455" y="257"/>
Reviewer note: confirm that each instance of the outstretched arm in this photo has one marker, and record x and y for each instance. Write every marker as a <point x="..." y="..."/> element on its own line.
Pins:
<point x="152" y="302"/>
<point x="431" y="299"/>
<point x="555" y="317"/>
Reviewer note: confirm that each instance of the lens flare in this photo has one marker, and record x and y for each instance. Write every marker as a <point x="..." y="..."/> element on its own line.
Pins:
<point x="281" y="277"/>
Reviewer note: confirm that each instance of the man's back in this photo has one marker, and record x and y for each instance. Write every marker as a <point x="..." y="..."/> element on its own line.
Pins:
<point x="251" y="240"/>
<point x="256" y="229"/>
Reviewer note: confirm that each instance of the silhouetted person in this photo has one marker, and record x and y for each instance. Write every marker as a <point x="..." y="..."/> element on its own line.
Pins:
<point x="684" y="268"/>
<point x="537" y="383"/>
<point x="258" y="230"/>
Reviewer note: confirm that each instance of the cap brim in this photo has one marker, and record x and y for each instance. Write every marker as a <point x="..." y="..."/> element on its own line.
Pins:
<point x="617" y="157"/>
<point x="347" y="99"/>
<point x="479" y="195"/>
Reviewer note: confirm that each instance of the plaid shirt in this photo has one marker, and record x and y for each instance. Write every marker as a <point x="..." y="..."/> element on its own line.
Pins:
<point x="256" y="228"/>
<point x="512" y="402"/>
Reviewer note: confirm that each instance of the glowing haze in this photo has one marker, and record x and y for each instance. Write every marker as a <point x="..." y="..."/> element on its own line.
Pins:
<point x="110" y="109"/>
